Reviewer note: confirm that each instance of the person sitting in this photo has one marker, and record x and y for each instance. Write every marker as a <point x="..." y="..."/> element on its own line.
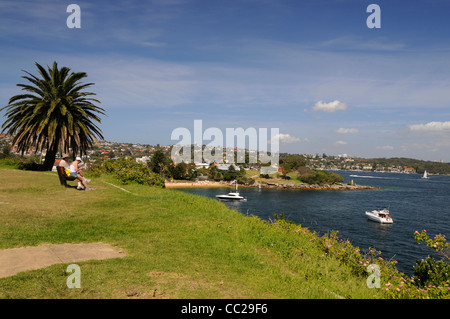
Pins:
<point x="64" y="162"/>
<point x="76" y="171"/>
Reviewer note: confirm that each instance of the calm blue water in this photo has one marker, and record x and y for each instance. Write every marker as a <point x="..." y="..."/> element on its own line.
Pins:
<point x="414" y="203"/>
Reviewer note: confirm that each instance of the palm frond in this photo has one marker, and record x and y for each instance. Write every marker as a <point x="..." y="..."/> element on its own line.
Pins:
<point x="56" y="112"/>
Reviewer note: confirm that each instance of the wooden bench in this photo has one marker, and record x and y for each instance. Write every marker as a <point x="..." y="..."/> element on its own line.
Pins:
<point x="63" y="178"/>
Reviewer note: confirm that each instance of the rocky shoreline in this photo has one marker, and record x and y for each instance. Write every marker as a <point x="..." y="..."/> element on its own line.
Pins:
<point x="275" y="185"/>
<point x="343" y="187"/>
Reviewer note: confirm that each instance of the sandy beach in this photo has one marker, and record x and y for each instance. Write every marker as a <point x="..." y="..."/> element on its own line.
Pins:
<point x="195" y="184"/>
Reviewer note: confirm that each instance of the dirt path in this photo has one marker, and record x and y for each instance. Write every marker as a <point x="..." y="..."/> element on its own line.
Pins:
<point x="15" y="260"/>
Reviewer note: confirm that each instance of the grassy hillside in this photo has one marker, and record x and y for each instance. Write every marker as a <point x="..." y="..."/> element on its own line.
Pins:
<point x="178" y="245"/>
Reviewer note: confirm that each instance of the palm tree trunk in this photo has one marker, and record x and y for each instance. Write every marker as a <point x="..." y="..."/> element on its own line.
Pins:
<point x="50" y="157"/>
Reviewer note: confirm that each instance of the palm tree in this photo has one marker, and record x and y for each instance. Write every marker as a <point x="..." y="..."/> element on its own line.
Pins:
<point x="54" y="115"/>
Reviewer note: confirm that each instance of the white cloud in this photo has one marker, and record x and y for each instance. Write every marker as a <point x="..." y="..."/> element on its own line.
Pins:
<point x="358" y="43"/>
<point x="385" y="147"/>
<point x="347" y="131"/>
<point x="287" y="138"/>
<point x="431" y="127"/>
<point x="339" y="143"/>
<point x="153" y="44"/>
<point x="330" y="107"/>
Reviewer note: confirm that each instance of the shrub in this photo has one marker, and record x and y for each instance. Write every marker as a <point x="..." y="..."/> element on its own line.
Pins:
<point x="29" y="164"/>
<point x="393" y="283"/>
<point x="321" y="178"/>
<point x="245" y="180"/>
<point x="127" y="171"/>
<point x="438" y="243"/>
<point x="429" y="272"/>
<point x="431" y="278"/>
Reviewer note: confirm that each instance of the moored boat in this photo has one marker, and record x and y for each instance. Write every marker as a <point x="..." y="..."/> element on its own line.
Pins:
<point x="232" y="196"/>
<point x="380" y="215"/>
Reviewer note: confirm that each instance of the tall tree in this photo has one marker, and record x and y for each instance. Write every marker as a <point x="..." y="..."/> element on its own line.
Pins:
<point x="160" y="162"/>
<point x="55" y="114"/>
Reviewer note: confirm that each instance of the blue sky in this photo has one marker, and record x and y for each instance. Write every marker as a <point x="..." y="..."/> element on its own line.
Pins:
<point x="311" y="68"/>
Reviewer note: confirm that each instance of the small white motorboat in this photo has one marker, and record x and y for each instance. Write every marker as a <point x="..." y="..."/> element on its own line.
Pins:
<point x="380" y="215"/>
<point x="232" y="196"/>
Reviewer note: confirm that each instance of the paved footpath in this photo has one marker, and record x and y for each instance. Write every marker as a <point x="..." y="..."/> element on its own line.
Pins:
<point x="15" y="260"/>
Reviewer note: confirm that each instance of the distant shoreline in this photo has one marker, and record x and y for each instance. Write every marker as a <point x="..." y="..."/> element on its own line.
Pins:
<point x="195" y="184"/>
<point x="334" y="187"/>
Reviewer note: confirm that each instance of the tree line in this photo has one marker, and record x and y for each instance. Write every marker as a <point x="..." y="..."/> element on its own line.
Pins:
<point x="419" y="165"/>
<point x="161" y="164"/>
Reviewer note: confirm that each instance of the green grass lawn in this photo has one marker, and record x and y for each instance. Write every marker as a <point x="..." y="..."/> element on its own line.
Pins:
<point x="178" y="245"/>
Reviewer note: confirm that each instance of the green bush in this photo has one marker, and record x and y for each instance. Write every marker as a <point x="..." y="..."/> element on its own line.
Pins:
<point x="321" y="178"/>
<point x="127" y="171"/>
<point x="245" y="180"/>
<point x="29" y="164"/>
<point x="431" y="278"/>
<point x="430" y="272"/>
<point x="393" y="283"/>
<point x="11" y="162"/>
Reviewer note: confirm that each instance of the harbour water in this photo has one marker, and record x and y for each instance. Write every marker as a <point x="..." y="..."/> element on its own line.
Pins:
<point x="415" y="204"/>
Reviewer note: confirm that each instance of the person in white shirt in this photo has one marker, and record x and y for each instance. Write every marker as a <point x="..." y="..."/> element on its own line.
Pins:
<point x="76" y="171"/>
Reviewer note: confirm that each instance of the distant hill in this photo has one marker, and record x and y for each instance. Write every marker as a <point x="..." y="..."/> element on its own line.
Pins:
<point x="419" y="165"/>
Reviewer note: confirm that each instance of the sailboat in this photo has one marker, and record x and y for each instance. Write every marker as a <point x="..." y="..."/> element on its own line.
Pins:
<point x="232" y="196"/>
<point x="425" y="174"/>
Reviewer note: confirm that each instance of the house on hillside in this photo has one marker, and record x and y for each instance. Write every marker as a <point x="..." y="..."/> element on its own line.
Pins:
<point x="226" y="167"/>
<point x="143" y="159"/>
